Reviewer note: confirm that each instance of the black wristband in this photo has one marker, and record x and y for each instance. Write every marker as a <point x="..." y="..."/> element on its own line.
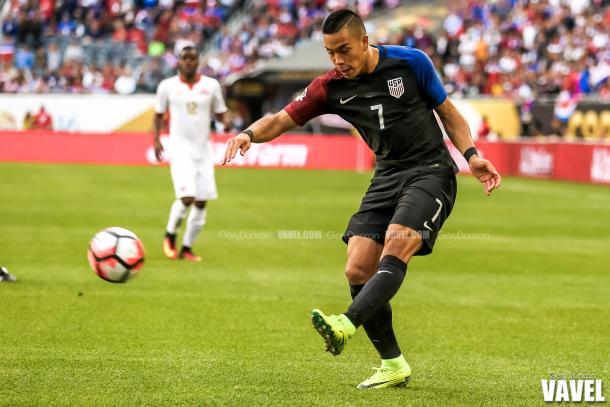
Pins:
<point x="250" y="134"/>
<point x="470" y="152"/>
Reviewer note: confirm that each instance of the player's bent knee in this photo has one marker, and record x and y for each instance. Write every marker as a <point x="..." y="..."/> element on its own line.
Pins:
<point x="402" y="242"/>
<point x="200" y="204"/>
<point x="187" y="200"/>
<point x="362" y="259"/>
<point x="357" y="273"/>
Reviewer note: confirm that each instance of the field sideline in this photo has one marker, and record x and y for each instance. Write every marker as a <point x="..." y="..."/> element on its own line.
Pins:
<point x="518" y="288"/>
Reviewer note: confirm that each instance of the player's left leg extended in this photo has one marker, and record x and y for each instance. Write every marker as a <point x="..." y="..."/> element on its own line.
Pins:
<point x="423" y="206"/>
<point x="360" y="268"/>
<point x="194" y="225"/>
<point x="370" y="306"/>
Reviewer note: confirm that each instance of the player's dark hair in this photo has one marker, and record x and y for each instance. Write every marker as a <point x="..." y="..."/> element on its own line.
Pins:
<point x="187" y="48"/>
<point x="341" y="18"/>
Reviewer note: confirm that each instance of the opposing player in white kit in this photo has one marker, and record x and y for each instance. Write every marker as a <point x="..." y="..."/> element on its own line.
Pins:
<point x="191" y="99"/>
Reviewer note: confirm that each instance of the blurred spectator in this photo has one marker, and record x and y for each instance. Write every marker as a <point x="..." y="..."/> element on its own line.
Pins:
<point x="42" y="120"/>
<point x="28" y="121"/>
<point x="66" y="27"/>
<point x="125" y="83"/>
<point x="151" y="75"/>
<point x="29" y="29"/>
<point x="54" y="57"/>
<point x="24" y="58"/>
<point x="484" y="129"/>
<point x="74" y="51"/>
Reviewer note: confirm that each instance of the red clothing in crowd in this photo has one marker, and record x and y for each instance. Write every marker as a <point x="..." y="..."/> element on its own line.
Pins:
<point x="42" y="120"/>
<point x="484" y="130"/>
<point x="47" y="7"/>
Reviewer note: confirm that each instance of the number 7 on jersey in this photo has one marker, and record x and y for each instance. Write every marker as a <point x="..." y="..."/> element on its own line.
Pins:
<point x="379" y="109"/>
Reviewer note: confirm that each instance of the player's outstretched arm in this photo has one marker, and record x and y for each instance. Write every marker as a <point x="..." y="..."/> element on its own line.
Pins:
<point x="261" y="131"/>
<point x="459" y="133"/>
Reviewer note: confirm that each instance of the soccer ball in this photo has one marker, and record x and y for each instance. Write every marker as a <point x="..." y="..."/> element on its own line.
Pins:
<point x="115" y="254"/>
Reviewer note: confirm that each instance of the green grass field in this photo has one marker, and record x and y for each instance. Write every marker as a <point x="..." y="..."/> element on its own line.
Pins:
<point x="518" y="288"/>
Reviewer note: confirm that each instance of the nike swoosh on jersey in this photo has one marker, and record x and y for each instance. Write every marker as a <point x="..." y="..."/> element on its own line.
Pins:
<point x="384" y="271"/>
<point x="346" y="100"/>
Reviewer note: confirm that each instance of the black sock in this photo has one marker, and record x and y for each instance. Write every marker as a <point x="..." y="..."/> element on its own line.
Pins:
<point x="379" y="329"/>
<point x="171" y="237"/>
<point x="378" y="291"/>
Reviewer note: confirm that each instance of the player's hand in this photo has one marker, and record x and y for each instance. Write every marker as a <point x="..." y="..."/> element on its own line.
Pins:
<point x="485" y="172"/>
<point x="158" y="150"/>
<point x="240" y="142"/>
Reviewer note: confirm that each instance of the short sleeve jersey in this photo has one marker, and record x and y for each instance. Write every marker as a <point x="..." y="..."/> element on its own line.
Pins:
<point x="392" y="108"/>
<point x="190" y="109"/>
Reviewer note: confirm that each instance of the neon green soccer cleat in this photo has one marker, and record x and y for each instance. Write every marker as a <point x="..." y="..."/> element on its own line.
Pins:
<point x="334" y="329"/>
<point x="386" y="377"/>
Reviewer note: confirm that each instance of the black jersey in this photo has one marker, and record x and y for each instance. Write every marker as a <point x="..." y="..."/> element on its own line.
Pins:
<point x="391" y="108"/>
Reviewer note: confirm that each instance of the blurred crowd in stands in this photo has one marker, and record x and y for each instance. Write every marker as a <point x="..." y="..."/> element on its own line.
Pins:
<point x="516" y="48"/>
<point x="100" y="46"/>
<point x="522" y="49"/>
<point x="272" y="29"/>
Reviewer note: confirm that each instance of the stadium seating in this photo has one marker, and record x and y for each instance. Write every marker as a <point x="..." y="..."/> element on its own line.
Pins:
<point x="523" y="49"/>
<point x="99" y="46"/>
<point x="482" y="48"/>
<point x="516" y="49"/>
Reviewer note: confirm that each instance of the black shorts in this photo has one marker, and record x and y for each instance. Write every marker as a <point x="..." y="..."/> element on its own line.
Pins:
<point x="418" y="199"/>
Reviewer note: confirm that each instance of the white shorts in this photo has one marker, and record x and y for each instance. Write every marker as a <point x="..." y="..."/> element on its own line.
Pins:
<point x="193" y="178"/>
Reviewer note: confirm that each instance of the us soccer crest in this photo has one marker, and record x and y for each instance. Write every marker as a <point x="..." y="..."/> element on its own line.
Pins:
<point x="396" y="87"/>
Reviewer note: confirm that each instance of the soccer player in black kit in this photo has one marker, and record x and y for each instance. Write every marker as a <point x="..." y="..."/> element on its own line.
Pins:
<point x="388" y="93"/>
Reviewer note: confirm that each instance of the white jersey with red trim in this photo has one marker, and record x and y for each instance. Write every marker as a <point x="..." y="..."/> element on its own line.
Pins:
<point x="190" y="108"/>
